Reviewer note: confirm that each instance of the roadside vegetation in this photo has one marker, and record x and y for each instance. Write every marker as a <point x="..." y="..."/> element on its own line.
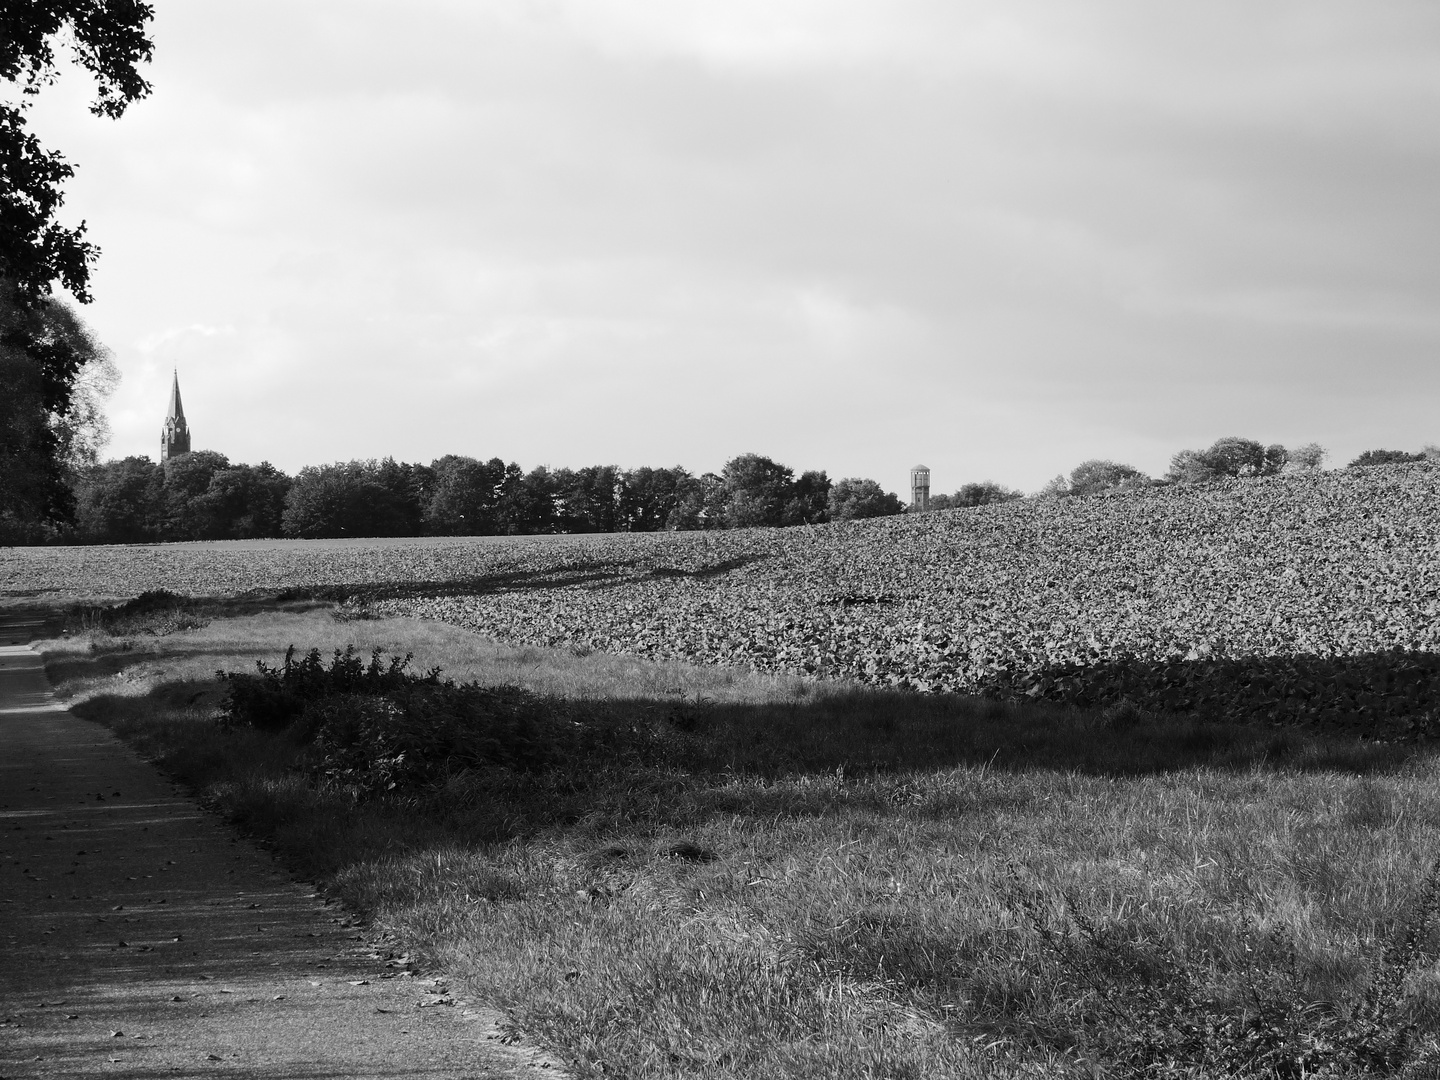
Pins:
<point x="676" y="870"/>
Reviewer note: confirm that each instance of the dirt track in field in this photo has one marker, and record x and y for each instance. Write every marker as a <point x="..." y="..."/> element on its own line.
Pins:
<point x="144" y="939"/>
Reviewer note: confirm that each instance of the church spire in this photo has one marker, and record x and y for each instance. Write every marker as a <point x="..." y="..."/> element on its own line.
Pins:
<point x="175" y="435"/>
<point x="177" y="411"/>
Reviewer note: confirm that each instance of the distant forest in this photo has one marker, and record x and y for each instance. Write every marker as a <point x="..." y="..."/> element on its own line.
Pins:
<point x="203" y="496"/>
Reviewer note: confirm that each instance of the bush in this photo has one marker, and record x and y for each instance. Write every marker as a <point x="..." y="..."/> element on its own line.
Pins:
<point x="273" y="698"/>
<point x="1308" y="458"/>
<point x="1384" y="457"/>
<point x="984" y="493"/>
<point x="1091" y="477"/>
<point x="1231" y="456"/>
<point x="376" y="728"/>
<point x="372" y="745"/>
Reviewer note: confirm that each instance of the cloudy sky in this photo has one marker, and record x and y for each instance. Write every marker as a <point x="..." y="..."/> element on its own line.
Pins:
<point x="998" y="238"/>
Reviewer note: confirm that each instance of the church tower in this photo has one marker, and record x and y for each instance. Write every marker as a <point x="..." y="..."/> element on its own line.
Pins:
<point x="175" y="435"/>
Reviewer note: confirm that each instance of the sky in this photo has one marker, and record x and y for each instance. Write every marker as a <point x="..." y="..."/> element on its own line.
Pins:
<point x="996" y="238"/>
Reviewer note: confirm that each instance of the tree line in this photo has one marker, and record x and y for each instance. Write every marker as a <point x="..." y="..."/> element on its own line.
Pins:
<point x="1228" y="458"/>
<point x="203" y="496"/>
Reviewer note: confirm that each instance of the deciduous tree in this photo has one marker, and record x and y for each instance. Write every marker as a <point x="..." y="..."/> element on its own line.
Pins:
<point x="47" y="430"/>
<point x="120" y="502"/>
<point x="855" y="498"/>
<point x="108" y="38"/>
<point x="756" y="491"/>
<point x="1096" y="475"/>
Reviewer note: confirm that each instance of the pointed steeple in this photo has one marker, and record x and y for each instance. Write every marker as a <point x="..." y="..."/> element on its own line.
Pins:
<point x="177" y="411"/>
<point x="175" y="434"/>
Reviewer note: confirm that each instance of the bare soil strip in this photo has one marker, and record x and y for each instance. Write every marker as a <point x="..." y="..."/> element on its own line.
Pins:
<point x="142" y="938"/>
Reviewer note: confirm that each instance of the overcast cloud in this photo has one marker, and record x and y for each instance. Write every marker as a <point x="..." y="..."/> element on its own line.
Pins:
<point x="998" y="238"/>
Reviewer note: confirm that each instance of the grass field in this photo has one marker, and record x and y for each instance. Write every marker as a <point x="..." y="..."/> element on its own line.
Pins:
<point x="829" y="880"/>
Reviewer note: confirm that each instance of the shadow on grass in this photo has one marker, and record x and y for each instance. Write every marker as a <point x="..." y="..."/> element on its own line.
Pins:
<point x="1394" y="694"/>
<point x="853" y="735"/>
<point x="864" y="761"/>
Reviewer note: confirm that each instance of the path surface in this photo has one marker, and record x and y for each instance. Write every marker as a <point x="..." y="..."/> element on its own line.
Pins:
<point x="141" y="938"/>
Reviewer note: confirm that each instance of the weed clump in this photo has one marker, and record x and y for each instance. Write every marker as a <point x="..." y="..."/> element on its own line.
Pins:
<point x="154" y="613"/>
<point x="274" y="697"/>
<point x="375" y="727"/>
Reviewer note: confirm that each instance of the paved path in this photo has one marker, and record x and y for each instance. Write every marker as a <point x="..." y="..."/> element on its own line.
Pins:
<point x="142" y="938"/>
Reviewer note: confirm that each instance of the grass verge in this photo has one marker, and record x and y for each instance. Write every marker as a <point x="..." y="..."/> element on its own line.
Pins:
<point x="819" y="880"/>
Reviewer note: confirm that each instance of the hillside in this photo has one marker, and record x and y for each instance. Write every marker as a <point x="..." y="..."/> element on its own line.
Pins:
<point x="1290" y="597"/>
<point x="1300" y="597"/>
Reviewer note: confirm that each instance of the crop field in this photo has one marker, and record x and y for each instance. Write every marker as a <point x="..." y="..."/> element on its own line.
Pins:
<point x="659" y="819"/>
<point x="1297" y="598"/>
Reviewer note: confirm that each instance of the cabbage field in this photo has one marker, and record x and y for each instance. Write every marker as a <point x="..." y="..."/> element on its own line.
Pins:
<point x="1303" y="597"/>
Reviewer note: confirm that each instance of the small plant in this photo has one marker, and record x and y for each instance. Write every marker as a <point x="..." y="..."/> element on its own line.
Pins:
<point x="155" y="612"/>
<point x="1122" y="716"/>
<point x="376" y="727"/>
<point x="273" y="698"/>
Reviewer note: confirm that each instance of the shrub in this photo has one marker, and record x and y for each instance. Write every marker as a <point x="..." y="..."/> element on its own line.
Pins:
<point x="1231" y="456"/>
<point x="1308" y="458"/>
<point x="1090" y="477"/>
<point x="273" y="698"/>
<point x="376" y="728"/>
<point x="1384" y="457"/>
<point x="985" y="493"/>
<point x="372" y="745"/>
<point x="1058" y="487"/>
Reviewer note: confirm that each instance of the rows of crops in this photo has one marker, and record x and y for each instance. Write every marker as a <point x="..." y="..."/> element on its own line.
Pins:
<point x="1290" y="598"/>
<point x="1293" y="596"/>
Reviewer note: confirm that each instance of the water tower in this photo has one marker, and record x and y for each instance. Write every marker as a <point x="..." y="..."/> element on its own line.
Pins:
<point x="920" y="487"/>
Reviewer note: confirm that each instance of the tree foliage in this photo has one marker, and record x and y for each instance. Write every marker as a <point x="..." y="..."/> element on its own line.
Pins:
<point x="1096" y="475"/>
<point x="756" y="491"/>
<point x="1308" y="458"/>
<point x="1384" y="457"/>
<point x="1227" y="457"/>
<point x="854" y="498"/>
<point x="353" y="498"/>
<point x="981" y="493"/>
<point x="108" y="39"/>
<point x="120" y="502"/>
<point x="48" y="427"/>
<point x="463" y="496"/>
<point x="43" y="347"/>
